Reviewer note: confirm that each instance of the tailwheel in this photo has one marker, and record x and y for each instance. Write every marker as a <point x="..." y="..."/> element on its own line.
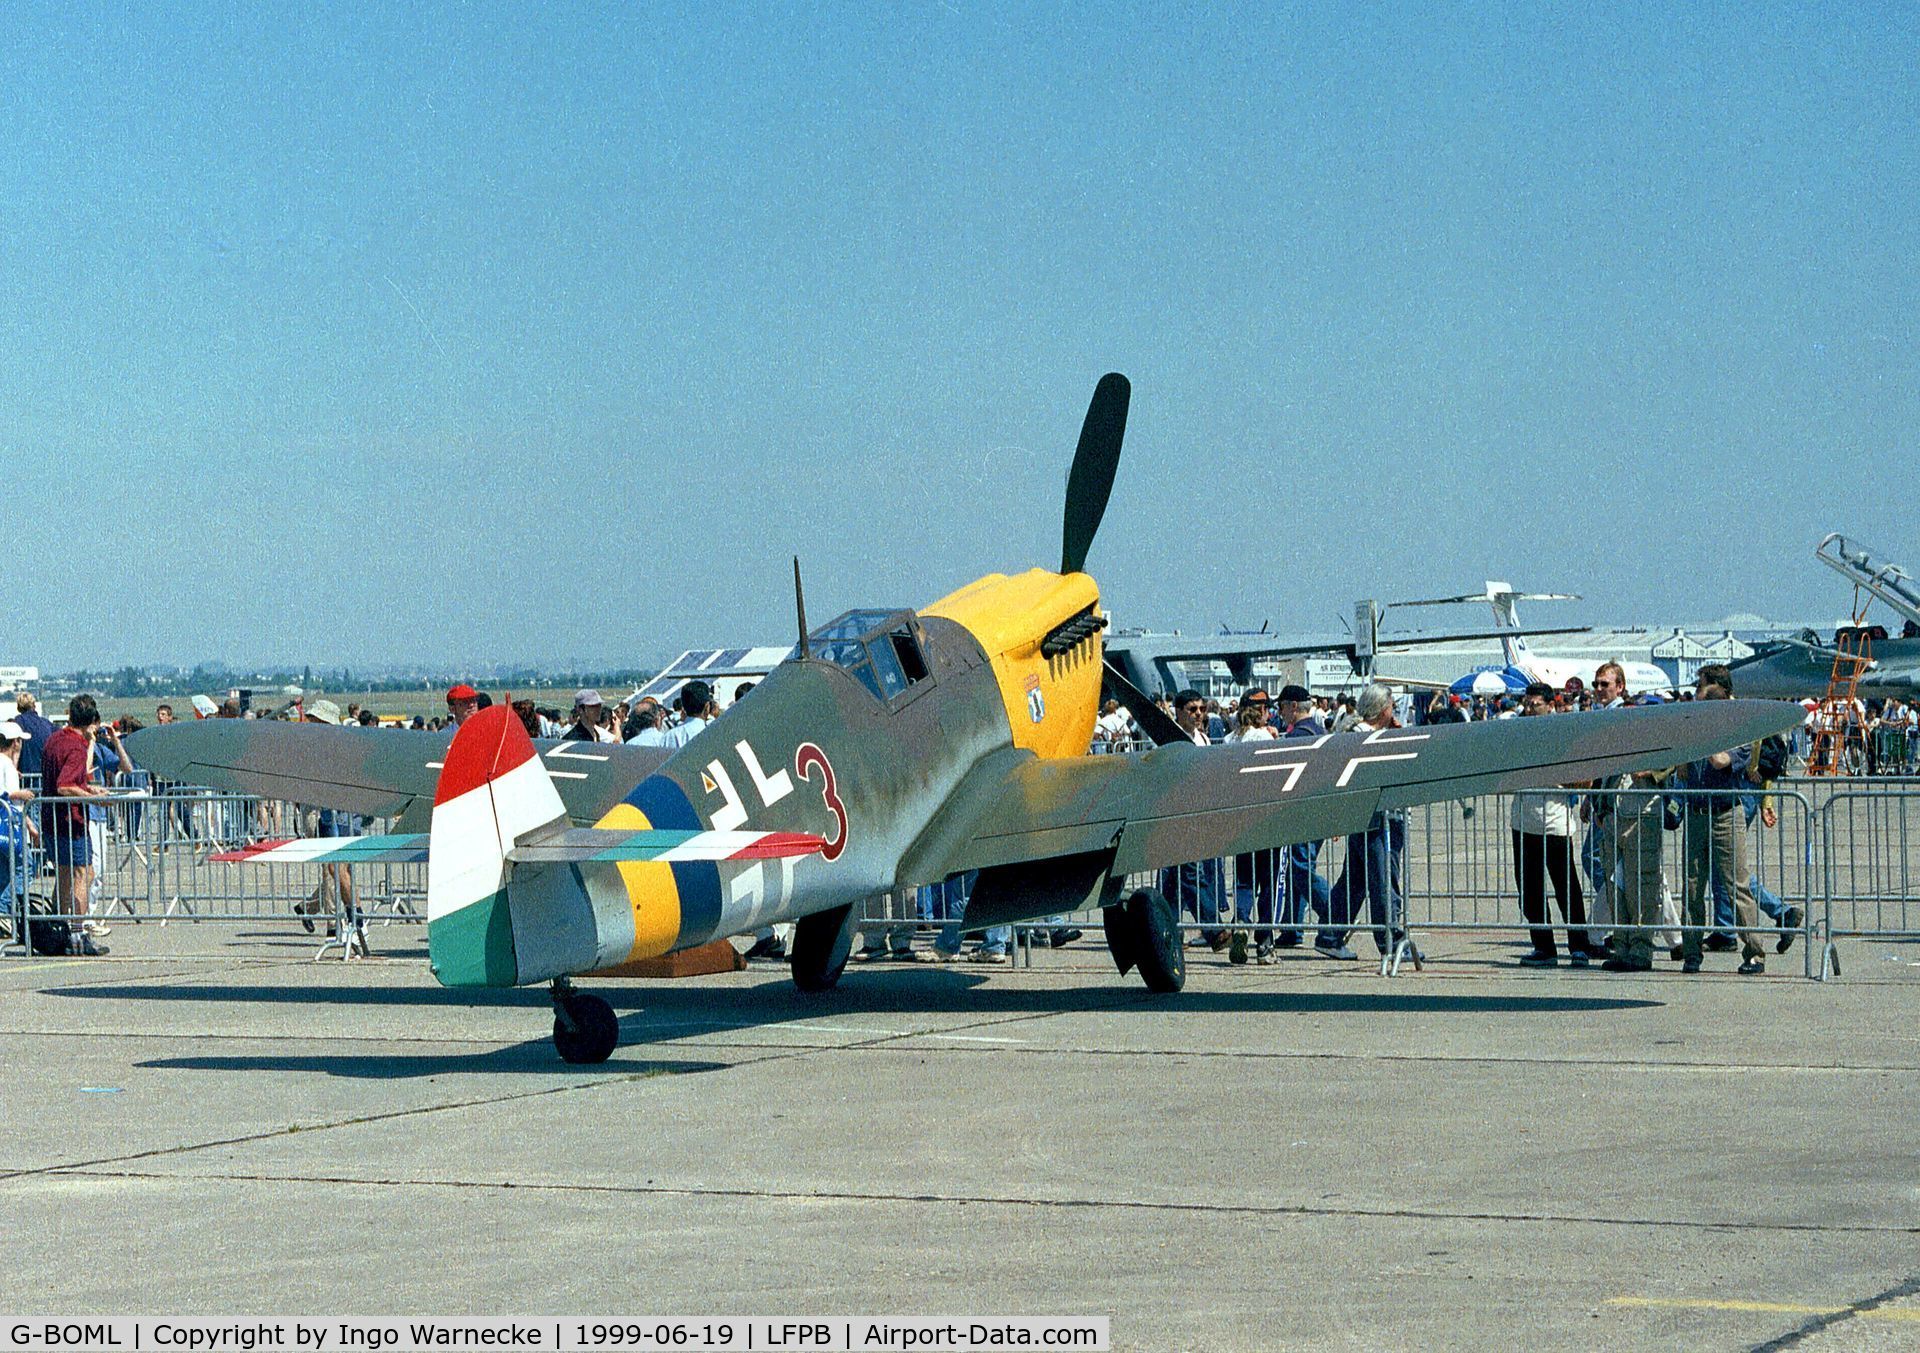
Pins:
<point x="1143" y="932"/>
<point x="821" y="943"/>
<point x="585" y="1029"/>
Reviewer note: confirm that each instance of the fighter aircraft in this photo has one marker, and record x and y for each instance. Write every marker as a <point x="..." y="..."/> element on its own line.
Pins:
<point x="1642" y="677"/>
<point x="1800" y="668"/>
<point x="895" y="747"/>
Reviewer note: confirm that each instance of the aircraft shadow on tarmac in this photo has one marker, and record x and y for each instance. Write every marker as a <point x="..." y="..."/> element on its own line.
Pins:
<point x="535" y="1055"/>
<point x="899" y="991"/>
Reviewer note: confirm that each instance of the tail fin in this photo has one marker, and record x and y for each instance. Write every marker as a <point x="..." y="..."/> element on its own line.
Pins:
<point x="1501" y="596"/>
<point x="493" y="790"/>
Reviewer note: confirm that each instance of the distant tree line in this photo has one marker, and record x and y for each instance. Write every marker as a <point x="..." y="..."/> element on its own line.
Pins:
<point x="132" y="683"/>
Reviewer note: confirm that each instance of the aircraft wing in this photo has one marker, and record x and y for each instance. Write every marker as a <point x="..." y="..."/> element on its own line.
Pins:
<point x="379" y="772"/>
<point x="1176" y="804"/>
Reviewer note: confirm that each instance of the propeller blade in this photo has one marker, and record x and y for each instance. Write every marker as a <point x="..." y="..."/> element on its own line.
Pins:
<point x="1091" y="479"/>
<point x="1155" y="722"/>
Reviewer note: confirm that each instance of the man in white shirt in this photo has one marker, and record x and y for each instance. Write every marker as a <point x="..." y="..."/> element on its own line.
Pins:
<point x="1114" y="727"/>
<point x="652" y="718"/>
<point x="1376" y="857"/>
<point x="1600" y="853"/>
<point x="695" y="696"/>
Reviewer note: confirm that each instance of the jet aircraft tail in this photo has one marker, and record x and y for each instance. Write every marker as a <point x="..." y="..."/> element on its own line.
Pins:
<point x="1506" y="616"/>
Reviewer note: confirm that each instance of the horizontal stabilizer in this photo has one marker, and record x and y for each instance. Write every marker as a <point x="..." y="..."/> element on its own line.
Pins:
<point x="580" y="844"/>
<point x="574" y="846"/>
<point x="407" y="848"/>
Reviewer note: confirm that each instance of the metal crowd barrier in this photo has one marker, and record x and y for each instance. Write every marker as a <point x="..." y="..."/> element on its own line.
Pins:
<point x="1870" y="850"/>
<point x="1463" y="866"/>
<point x="1844" y="851"/>
<point x="1840" y="860"/>
<point x="151" y="863"/>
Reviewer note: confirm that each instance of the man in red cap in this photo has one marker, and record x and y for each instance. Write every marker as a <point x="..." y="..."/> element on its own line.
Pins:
<point x="462" y="700"/>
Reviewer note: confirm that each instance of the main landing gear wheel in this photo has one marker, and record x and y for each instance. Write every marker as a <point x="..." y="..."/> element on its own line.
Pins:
<point x="585" y="1029"/>
<point x="821" y="943"/>
<point x="1143" y="932"/>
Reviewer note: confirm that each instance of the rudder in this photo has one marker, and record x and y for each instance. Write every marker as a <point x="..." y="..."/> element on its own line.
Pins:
<point x="493" y="790"/>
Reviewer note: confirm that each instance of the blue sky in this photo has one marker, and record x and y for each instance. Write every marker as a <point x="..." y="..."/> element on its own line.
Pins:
<point x="355" y="334"/>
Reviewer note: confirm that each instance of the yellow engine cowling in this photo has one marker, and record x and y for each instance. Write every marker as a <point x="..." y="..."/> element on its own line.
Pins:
<point x="1051" y="701"/>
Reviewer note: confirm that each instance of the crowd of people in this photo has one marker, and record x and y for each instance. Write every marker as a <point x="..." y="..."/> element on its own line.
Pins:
<point x="1266" y="902"/>
<point x="640" y="719"/>
<point x="55" y="780"/>
<point x="1623" y="822"/>
<point x="69" y="770"/>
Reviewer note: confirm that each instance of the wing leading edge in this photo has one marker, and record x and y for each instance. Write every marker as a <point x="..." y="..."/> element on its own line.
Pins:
<point x="1177" y="804"/>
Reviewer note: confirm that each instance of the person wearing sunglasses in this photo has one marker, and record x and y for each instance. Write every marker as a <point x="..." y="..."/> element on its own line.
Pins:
<point x="1257" y="875"/>
<point x="1196" y="887"/>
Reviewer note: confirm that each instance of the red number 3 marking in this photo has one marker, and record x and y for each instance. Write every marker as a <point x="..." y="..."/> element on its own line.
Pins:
<point x="805" y="758"/>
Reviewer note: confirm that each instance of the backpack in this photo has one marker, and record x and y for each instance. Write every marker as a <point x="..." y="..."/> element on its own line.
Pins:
<point x="48" y="936"/>
<point x="1771" y="763"/>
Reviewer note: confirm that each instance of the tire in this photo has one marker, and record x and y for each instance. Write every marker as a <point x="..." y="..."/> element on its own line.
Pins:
<point x="821" y="944"/>
<point x="587" y="1032"/>
<point x="1155" y="942"/>
<point x="1118" y="928"/>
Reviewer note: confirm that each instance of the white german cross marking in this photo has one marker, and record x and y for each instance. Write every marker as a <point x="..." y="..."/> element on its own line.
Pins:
<point x="772" y="788"/>
<point x="1381" y="735"/>
<point x="748" y="888"/>
<point x="1293" y="768"/>
<point x="1384" y="736"/>
<point x="732" y="813"/>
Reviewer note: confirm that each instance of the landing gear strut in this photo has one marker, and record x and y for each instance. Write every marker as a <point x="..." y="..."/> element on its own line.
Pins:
<point x="585" y="1029"/>
<point x="1143" y="932"/>
<point x="821" y="943"/>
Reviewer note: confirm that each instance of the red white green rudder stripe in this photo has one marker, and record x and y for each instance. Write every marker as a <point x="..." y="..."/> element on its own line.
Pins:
<point x="493" y="791"/>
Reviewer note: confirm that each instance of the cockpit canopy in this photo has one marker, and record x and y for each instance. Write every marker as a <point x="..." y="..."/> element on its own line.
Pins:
<point x="879" y="649"/>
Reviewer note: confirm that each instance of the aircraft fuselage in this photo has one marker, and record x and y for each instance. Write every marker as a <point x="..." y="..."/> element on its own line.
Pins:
<point x="820" y="747"/>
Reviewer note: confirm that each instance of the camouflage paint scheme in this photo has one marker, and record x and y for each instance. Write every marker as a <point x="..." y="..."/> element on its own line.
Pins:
<point x="973" y="756"/>
<point x="931" y="782"/>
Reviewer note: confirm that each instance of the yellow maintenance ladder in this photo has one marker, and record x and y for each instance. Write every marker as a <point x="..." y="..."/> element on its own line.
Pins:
<point x="1840" y="708"/>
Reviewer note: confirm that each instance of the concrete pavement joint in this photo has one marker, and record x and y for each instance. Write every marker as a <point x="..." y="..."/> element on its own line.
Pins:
<point x="881" y="1039"/>
<point x="1866" y="1307"/>
<point x="93" y="1171"/>
<point x="1444" y="1058"/>
<point x="100" y="978"/>
<point x="479" y="1102"/>
<point x="357" y="1120"/>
